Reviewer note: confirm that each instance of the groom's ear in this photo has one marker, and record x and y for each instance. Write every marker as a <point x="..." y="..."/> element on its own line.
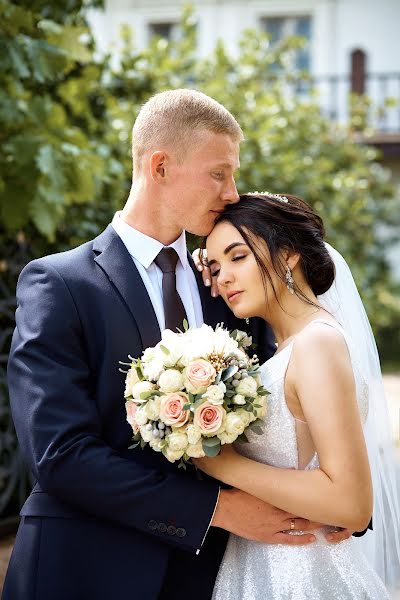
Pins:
<point x="158" y="162"/>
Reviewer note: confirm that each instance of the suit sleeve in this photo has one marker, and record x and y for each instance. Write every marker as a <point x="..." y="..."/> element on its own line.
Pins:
<point x="60" y="432"/>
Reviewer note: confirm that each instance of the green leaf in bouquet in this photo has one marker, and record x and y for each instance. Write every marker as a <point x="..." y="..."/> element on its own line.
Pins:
<point x="139" y="371"/>
<point x="242" y="439"/>
<point x="164" y="349"/>
<point x="257" y="429"/>
<point x="182" y="464"/>
<point x="211" y="441"/>
<point x="262" y="392"/>
<point x="198" y="402"/>
<point x="187" y="406"/>
<point x="142" y="444"/>
<point x="192" y="397"/>
<point x="135" y="445"/>
<point x="230" y="393"/>
<point x="211" y="450"/>
<point x="185" y="327"/>
<point x="229" y="372"/>
<point x="233" y="334"/>
<point x="146" y="395"/>
<point x="248" y="407"/>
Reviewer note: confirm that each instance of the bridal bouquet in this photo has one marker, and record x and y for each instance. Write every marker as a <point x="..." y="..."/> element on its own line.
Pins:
<point x="193" y="392"/>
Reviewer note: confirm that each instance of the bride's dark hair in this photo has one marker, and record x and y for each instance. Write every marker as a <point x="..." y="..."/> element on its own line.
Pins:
<point x="283" y="222"/>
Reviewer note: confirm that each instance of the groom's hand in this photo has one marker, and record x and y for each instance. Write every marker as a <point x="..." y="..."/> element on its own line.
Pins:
<point x="250" y="518"/>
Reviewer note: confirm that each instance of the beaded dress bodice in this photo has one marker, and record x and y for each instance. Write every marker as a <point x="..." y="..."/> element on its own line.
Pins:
<point x="318" y="571"/>
<point x="284" y="438"/>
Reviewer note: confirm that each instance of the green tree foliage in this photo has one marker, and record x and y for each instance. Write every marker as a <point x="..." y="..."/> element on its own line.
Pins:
<point x="51" y="116"/>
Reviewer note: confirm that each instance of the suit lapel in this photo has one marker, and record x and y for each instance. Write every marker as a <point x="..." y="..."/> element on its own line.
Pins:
<point x="113" y="257"/>
<point x="214" y="309"/>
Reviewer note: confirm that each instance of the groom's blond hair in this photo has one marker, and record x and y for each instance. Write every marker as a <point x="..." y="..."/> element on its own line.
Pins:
<point x="171" y="120"/>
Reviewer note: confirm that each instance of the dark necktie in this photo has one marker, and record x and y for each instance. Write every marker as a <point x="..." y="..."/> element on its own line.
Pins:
<point x="174" y="311"/>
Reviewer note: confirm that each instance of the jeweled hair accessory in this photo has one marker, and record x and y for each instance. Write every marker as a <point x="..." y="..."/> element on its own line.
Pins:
<point x="278" y="197"/>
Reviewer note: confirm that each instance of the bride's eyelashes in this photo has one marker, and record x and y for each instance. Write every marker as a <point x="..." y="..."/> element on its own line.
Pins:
<point x="215" y="273"/>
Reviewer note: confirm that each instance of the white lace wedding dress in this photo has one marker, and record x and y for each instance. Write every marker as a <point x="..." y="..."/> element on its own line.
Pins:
<point x="323" y="571"/>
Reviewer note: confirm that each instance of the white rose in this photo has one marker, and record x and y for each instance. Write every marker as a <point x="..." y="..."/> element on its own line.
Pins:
<point x="223" y="343"/>
<point x="193" y="434"/>
<point x="140" y="387"/>
<point x="131" y="379"/>
<point x="261" y="412"/>
<point x="146" y="435"/>
<point x="195" y="450"/>
<point x="198" y="344"/>
<point x="141" y="417"/>
<point x="170" y="380"/>
<point x="244" y="415"/>
<point x="173" y="456"/>
<point x="247" y="387"/>
<point x="152" y="409"/>
<point x="227" y="438"/>
<point x="215" y="394"/>
<point x="174" y="344"/>
<point x="153" y="368"/>
<point x="234" y="424"/>
<point x="177" y="441"/>
<point x="239" y="399"/>
<point x="155" y="444"/>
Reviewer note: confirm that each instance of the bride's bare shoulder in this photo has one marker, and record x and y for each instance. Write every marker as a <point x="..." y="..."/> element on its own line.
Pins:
<point x="320" y="340"/>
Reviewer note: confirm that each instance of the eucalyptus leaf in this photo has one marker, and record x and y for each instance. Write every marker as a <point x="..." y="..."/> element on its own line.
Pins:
<point x="212" y="441"/>
<point x="229" y="372"/>
<point x="211" y="451"/>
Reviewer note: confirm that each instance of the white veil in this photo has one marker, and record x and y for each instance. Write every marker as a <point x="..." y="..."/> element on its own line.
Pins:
<point x="382" y="545"/>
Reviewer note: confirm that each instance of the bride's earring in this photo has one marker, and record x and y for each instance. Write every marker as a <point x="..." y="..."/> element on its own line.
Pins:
<point x="289" y="280"/>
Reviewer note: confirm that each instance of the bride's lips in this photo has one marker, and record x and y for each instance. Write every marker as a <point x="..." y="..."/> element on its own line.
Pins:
<point x="232" y="296"/>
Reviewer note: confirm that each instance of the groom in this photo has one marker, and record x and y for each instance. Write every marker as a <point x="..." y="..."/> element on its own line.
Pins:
<point x="103" y="522"/>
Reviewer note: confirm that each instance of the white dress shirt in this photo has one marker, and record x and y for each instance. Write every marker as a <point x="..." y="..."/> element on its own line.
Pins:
<point x="143" y="250"/>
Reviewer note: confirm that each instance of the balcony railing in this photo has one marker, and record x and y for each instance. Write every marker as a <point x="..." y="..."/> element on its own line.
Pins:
<point x="376" y="105"/>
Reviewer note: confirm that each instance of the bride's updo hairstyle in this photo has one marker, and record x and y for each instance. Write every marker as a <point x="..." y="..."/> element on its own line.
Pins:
<point x="283" y="222"/>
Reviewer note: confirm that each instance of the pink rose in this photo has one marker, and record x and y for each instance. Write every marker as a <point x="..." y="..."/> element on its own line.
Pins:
<point x="171" y="409"/>
<point x="131" y="409"/>
<point x="200" y="373"/>
<point x="209" y="417"/>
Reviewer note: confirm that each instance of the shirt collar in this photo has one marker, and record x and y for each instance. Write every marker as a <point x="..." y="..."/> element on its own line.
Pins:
<point x="143" y="247"/>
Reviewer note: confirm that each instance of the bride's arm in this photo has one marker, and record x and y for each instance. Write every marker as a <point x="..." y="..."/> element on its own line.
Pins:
<point x="340" y="491"/>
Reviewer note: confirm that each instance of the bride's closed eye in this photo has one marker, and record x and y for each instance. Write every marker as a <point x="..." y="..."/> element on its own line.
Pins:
<point x="215" y="272"/>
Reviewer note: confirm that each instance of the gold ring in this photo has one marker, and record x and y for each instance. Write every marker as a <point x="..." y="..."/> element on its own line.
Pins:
<point x="292" y="524"/>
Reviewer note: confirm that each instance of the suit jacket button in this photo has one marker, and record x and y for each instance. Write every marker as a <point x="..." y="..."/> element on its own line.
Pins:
<point x="162" y="528"/>
<point x="152" y="525"/>
<point x="171" y="530"/>
<point x="181" y="532"/>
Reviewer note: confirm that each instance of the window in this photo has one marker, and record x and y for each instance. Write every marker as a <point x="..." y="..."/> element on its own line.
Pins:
<point x="166" y="31"/>
<point x="279" y="28"/>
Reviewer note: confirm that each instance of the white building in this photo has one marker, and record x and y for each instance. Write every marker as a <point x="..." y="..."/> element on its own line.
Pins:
<point x="334" y="29"/>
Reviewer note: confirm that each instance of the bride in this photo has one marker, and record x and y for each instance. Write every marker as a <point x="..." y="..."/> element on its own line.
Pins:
<point x="325" y="408"/>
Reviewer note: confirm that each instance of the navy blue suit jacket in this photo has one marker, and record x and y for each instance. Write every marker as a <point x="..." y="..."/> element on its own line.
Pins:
<point x="102" y="521"/>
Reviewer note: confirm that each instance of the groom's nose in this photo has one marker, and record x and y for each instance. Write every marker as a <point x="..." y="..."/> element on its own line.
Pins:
<point x="230" y="194"/>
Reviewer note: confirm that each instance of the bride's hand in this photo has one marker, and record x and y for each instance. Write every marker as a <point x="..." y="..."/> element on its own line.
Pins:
<point x="208" y="280"/>
<point x="219" y="465"/>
